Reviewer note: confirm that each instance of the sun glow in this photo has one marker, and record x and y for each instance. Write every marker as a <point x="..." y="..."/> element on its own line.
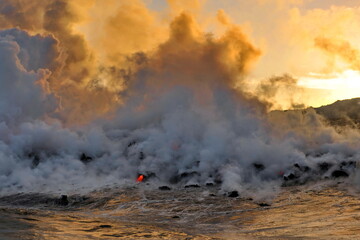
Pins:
<point x="340" y="85"/>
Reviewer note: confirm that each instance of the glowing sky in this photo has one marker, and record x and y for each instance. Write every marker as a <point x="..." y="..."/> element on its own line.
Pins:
<point x="307" y="50"/>
<point x="286" y="31"/>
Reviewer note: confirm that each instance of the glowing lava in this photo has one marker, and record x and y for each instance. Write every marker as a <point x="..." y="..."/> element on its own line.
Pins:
<point x="140" y="178"/>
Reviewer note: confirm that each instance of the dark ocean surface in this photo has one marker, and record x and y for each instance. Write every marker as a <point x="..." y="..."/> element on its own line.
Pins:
<point x="323" y="211"/>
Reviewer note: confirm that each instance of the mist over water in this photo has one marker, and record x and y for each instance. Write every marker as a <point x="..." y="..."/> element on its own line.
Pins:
<point x="73" y="119"/>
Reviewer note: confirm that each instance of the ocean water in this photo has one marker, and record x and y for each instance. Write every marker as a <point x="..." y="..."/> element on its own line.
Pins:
<point x="326" y="210"/>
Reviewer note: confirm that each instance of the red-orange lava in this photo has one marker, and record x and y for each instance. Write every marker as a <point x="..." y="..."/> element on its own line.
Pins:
<point x="140" y="178"/>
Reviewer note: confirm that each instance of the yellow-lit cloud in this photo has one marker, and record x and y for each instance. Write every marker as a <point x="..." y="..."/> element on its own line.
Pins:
<point x="102" y="45"/>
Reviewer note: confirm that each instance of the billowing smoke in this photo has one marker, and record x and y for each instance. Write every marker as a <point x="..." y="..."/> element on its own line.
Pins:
<point x="177" y="111"/>
<point x="25" y="64"/>
<point x="342" y="49"/>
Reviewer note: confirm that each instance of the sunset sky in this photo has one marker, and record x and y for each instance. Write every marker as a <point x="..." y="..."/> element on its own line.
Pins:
<point x="285" y="52"/>
<point x="286" y="32"/>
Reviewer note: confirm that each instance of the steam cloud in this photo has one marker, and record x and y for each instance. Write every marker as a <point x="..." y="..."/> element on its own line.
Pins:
<point x="72" y="117"/>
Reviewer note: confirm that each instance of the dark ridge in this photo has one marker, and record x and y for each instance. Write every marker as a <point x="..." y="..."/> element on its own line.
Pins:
<point x="338" y="114"/>
<point x="342" y="112"/>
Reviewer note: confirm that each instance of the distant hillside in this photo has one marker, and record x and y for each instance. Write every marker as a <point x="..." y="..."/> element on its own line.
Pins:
<point x="343" y="112"/>
<point x="339" y="113"/>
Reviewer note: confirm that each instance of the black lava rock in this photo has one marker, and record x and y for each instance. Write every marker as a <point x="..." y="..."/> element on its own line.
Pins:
<point x="349" y="164"/>
<point x="259" y="166"/>
<point x="35" y="160"/>
<point x="264" y="204"/>
<point x="174" y="179"/>
<point x="63" y="201"/>
<point x="324" y="166"/>
<point x="105" y="226"/>
<point x="289" y="177"/>
<point x="302" y="168"/>
<point x="180" y="177"/>
<point x="131" y="143"/>
<point x="189" y="174"/>
<point x="233" y="194"/>
<point x="192" y="186"/>
<point x="85" y="158"/>
<point x="141" y="156"/>
<point x="339" y="173"/>
<point x="218" y="180"/>
<point x="164" y="188"/>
